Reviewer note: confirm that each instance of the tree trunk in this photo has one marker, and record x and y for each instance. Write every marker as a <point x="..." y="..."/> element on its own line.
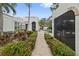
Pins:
<point x="28" y="16"/>
<point x="1" y="20"/>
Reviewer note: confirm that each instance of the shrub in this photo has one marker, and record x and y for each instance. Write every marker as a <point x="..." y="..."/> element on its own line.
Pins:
<point x="16" y="49"/>
<point x="29" y="33"/>
<point x="4" y="39"/>
<point x="20" y="48"/>
<point x="8" y="37"/>
<point x="20" y="35"/>
<point x="58" y="48"/>
<point x="32" y="39"/>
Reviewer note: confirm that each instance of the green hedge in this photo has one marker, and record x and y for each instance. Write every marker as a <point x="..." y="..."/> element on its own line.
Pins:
<point x="21" y="48"/>
<point x="32" y="40"/>
<point x="16" y="49"/>
<point x="58" y="48"/>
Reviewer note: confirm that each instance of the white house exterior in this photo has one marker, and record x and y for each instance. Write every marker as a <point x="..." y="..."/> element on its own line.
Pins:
<point x="7" y="23"/>
<point x="10" y="23"/>
<point x="27" y="22"/>
<point x="33" y="19"/>
<point x="63" y="8"/>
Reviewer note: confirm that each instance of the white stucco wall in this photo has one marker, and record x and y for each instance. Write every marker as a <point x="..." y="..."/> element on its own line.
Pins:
<point x="64" y="7"/>
<point x="33" y="19"/>
<point x="77" y="35"/>
<point x="8" y="23"/>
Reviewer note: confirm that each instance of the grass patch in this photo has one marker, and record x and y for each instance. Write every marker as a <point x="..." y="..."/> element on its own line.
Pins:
<point x="58" y="48"/>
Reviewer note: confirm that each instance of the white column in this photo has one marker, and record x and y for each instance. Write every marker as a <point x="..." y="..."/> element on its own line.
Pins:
<point x="53" y="13"/>
<point x="29" y="26"/>
<point x="37" y="26"/>
<point x="77" y="35"/>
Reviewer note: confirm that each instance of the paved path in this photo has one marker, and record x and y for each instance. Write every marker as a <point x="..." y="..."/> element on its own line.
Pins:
<point x="41" y="47"/>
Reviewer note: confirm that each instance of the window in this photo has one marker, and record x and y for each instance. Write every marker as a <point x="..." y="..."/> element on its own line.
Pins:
<point x="16" y="25"/>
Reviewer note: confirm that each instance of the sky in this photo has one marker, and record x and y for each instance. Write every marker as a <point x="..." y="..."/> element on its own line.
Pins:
<point x="37" y="9"/>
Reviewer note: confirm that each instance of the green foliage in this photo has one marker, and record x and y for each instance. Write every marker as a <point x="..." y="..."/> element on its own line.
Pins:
<point x="58" y="48"/>
<point x="49" y="24"/>
<point x="16" y="49"/>
<point x="20" y="35"/>
<point x="20" y="48"/>
<point x="32" y="40"/>
<point x="29" y="33"/>
<point x="7" y="7"/>
<point x="8" y="37"/>
<point x="42" y="23"/>
<point x="4" y="39"/>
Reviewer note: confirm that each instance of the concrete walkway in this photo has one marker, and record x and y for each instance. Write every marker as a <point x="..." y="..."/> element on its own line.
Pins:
<point x="41" y="47"/>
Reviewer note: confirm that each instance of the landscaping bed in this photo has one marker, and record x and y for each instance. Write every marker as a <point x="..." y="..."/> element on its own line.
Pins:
<point x="58" y="48"/>
<point x="9" y="37"/>
<point x="21" y="47"/>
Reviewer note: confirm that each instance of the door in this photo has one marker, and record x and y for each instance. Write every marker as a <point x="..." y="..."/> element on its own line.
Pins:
<point x="34" y="26"/>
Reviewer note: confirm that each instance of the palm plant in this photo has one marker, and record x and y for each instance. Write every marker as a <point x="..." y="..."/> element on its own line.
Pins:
<point x="7" y="7"/>
<point x="54" y="6"/>
<point x="29" y="6"/>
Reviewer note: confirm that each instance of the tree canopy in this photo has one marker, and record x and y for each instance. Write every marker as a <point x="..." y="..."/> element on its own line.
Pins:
<point x="7" y="7"/>
<point x="42" y="22"/>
